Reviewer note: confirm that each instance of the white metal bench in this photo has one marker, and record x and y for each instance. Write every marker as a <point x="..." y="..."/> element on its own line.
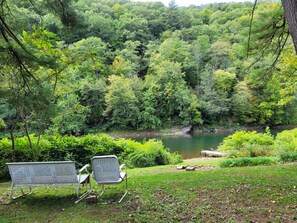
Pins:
<point x="54" y="173"/>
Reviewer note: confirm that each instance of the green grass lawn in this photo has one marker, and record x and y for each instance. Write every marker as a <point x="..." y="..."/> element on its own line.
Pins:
<point x="165" y="194"/>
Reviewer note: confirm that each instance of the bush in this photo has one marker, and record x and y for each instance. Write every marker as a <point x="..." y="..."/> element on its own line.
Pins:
<point x="248" y="161"/>
<point x="248" y="144"/>
<point x="152" y="153"/>
<point x="288" y="157"/>
<point x="286" y="141"/>
<point x="82" y="149"/>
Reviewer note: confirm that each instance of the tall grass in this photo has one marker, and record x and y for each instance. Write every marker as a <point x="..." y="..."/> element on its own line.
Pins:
<point x="248" y="161"/>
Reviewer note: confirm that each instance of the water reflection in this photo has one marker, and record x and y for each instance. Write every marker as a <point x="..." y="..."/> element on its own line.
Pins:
<point x="190" y="146"/>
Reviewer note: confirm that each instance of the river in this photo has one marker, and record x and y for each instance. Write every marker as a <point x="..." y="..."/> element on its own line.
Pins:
<point x="189" y="146"/>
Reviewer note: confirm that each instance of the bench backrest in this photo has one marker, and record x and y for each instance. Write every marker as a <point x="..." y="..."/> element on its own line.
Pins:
<point x="42" y="173"/>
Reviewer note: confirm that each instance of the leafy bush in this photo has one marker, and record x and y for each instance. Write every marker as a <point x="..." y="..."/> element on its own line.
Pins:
<point x="248" y="144"/>
<point x="286" y="141"/>
<point x="82" y="149"/>
<point x="152" y="153"/>
<point x="248" y="161"/>
<point x="288" y="157"/>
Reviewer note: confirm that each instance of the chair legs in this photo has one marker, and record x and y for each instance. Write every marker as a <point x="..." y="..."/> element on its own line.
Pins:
<point x="83" y="196"/>
<point x="103" y="190"/>
<point x="123" y="196"/>
<point x="86" y="193"/>
<point x="126" y="191"/>
<point x="11" y="198"/>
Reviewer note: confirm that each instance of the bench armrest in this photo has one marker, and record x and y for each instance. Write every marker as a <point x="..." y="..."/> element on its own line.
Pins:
<point x="84" y="168"/>
<point x="122" y="166"/>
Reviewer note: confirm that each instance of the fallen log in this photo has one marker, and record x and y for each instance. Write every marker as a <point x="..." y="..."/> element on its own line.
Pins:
<point x="210" y="153"/>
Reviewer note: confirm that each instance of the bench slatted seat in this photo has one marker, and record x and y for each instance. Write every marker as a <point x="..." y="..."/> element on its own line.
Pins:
<point x="54" y="173"/>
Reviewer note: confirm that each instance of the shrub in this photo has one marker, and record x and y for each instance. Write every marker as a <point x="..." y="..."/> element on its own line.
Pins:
<point x="151" y="153"/>
<point x="286" y="141"/>
<point x="248" y="161"/>
<point x="288" y="157"/>
<point x="248" y="144"/>
<point x="82" y="149"/>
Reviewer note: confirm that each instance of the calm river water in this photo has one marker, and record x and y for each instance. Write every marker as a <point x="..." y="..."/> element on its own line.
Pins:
<point x="190" y="146"/>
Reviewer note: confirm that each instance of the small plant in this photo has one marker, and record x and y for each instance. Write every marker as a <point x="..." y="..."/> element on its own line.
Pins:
<point x="248" y="161"/>
<point x="288" y="157"/>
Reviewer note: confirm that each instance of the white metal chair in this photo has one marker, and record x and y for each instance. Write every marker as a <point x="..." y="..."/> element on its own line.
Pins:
<point x="106" y="170"/>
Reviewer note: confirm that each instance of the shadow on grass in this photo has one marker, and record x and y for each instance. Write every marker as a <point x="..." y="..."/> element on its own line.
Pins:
<point x="55" y="196"/>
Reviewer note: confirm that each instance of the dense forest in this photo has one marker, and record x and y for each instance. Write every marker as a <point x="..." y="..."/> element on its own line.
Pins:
<point x="117" y="64"/>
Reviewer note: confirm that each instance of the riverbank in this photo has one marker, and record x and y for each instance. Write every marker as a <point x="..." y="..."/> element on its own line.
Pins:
<point x="195" y="130"/>
<point x="175" y="131"/>
<point x="190" y="146"/>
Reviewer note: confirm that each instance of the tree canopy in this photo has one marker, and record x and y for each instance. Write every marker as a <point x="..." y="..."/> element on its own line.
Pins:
<point x="75" y="66"/>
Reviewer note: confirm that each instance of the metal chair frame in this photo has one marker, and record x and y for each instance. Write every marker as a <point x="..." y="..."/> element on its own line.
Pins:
<point x="54" y="173"/>
<point x="106" y="170"/>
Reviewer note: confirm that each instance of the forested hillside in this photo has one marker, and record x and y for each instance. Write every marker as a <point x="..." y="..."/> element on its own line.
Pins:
<point x="102" y="65"/>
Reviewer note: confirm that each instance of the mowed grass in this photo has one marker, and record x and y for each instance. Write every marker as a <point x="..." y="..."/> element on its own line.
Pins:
<point x="165" y="194"/>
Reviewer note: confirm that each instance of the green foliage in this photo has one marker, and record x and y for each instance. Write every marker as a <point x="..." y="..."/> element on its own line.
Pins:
<point x="215" y="105"/>
<point x="174" y="65"/>
<point x="171" y="94"/>
<point x="248" y="144"/>
<point x="82" y="149"/>
<point x="242" y="103"/>
<point x="92" y="97"/>
<point x="286" y="157"/>
<point x="248" y="161"/>
<point x="90" y="55"/>
<point x="152" y="153"/>
<point x="271" y="109"/>
<point x="224" y="81"/>
<point x="2" y="124"/>
<point x="178" y="51"/>
<point x="121" y="103"/>
<point x="286" y="141"/>
<point x="221" y="54"/>
<point x="148" y="118"/>
<point x="72" y="116"/>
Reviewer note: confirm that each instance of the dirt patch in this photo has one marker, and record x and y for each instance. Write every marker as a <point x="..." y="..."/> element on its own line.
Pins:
<point x="239" y="204"/>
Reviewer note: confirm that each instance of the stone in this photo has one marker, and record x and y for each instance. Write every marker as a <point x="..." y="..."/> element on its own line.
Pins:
<point x="190" y="168"/>
<point x="91" y="199"/>
<point x="181" y="167"/>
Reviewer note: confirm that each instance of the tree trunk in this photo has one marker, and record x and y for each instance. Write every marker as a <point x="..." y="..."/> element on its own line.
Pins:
<point x="12" y="139"/>
<point x="28" y="135"/>
<point x="290" y="9"/>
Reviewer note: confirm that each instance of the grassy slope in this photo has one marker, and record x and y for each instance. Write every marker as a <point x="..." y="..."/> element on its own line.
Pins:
<point x="163" y="194"/>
